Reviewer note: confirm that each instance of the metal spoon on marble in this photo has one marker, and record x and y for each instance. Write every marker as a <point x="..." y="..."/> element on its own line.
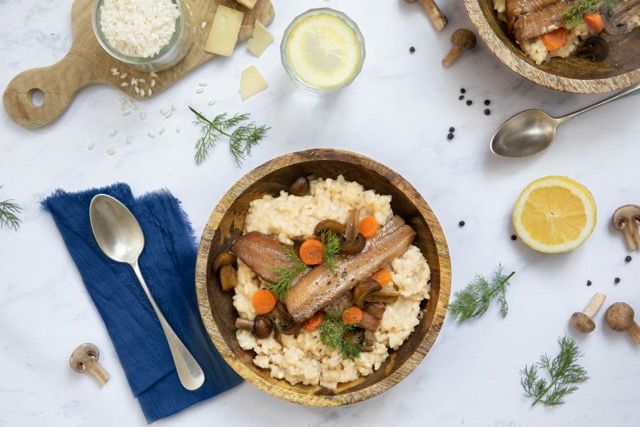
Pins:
<point x="120" y="237"/>
<point x="532" y="131"/>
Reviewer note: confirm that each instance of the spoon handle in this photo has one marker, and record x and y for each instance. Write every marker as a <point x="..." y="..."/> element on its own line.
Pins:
<point x="189" y="372"/>
<point x="618" y="95"/>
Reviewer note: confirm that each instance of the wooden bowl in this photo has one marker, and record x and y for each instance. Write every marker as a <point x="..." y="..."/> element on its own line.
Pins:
<point x="619" y="71"/>
<point x="226" y="223"/>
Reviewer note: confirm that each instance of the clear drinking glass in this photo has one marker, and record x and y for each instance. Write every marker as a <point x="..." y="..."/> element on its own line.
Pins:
<point x="285" y="56"/>
<point x="169" y="55"/>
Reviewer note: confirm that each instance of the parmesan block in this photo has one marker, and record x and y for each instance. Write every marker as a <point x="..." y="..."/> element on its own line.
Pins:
<point x="261" y="39"/>
<point x="251" y="83"/>
<point x="248" y="3"/>
<point x="224" y="31"/>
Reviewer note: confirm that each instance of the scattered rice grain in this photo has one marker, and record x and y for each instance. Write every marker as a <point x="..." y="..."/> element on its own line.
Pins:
<point x="113" y="133"/>
<point x="153" y="83"/>
<point x="202" y="84"/>
<point x="203" y="25"/>
<point x="111" y="151"/>
<point x="161" y="131"/>
<point x="124" y="84"/>
<point x="201" y="90"/>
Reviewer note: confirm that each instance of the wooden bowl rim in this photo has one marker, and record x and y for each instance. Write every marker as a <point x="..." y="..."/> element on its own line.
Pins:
<point x="536" y="75"/>
<point x="290" y="394"/>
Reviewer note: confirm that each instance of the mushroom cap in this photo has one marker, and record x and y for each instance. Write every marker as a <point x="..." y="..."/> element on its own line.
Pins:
<point x="581" y="322"/>
<point x="262" y="326"/>
<point x="619" y="316"/>
<point x="463" y="38"/>
<point x="81" y="355"/>
<point x="625" y="213"/>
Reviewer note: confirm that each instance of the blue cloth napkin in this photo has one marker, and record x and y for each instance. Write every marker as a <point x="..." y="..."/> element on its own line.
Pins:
<point x="168" y="265"/>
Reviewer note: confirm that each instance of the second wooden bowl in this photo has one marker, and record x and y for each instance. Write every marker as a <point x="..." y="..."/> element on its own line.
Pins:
<point x="227" y="222"/>
<point x="619" y="71"/>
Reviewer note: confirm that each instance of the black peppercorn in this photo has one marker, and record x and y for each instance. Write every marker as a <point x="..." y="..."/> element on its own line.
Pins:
<point x="616" y="280"/>
<point x="450" y="136"/>
<point x="487" y="112"/>
<point x="452" y="129"/>
<point x="588" y="282"/>
<point x="469" y="102"/>
<point x="627" y="258"/>
<point x="514" y="237"/>
<point x="487" y="102"/>
<point x="461" y="224"/>
<point x="461" y="97"/>
<point x="412" y="49"/>
<point x="463" y="90"/>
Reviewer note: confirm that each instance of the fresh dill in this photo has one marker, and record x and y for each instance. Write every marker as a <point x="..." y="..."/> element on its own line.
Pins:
<point x="574" y="16"/>
<point x="330" y="248"/>
<point x="344" y="338"/>
<point x="475" y="299"/>
<point x="286" y="276"/>
<point x="9" y="211"/>
<point x="563" y="374"/>
<point x="242" y="136"/>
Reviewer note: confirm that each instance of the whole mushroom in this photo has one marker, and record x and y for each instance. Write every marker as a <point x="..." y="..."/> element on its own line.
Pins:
<point x="619" y="317"/>
<point x="260" y="327"/>
<point x="627" y="219"/>
<point x="583" y="321"/>
<point x="85" y="359"/>
<point x="462" y="39"/>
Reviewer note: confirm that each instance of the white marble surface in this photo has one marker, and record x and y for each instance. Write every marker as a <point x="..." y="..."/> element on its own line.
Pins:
<point x="398" y="111"/>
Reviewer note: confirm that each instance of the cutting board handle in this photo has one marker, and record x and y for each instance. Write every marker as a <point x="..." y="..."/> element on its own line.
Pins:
<point x="57" y="83"/>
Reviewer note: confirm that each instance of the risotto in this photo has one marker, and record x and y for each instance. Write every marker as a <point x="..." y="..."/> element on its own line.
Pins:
<point x="304" y="357"/>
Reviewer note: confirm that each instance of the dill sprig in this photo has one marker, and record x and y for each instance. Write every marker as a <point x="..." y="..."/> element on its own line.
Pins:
<point x="330" y="248"/>
<point x="286" y="276"/>
<point x="242" y="138"/>
<point x="574" y="16"/>
<point x="563" y="372"/>
<point x="9" y="211"/>
<point x="475" y="299"/>
<point x="344" y="338"/>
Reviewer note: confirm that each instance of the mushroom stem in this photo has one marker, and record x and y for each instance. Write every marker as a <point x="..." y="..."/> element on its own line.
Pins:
<point x="434" y="13"/>
<point x="244" y="324"/>
<point x="594" y="305"/>
<point x="452" y="56"/>
<point x="94" y="368"/>
<point x="634" y="331"/>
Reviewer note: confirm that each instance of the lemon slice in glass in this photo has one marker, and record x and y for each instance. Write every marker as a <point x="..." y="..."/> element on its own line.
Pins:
<point x="554" y="214"/>
<point x="323" y="49"/>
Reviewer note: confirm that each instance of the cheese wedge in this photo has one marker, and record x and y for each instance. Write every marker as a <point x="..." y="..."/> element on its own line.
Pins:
<point x="224" y="31"/>
<point x="248" y="3"/>
<point x="251" y="83"/>
<point x="261" y="39"/>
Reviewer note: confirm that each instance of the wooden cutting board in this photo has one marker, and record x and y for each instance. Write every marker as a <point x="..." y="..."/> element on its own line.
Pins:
<point x="88" y="63"/>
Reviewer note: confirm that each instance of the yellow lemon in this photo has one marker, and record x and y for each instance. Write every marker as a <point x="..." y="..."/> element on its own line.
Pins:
<point x="554" y="214"/>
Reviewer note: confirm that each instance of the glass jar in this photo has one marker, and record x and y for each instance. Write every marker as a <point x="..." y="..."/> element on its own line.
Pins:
<point x="286" y="62"/>
<point x="172" y="53"/>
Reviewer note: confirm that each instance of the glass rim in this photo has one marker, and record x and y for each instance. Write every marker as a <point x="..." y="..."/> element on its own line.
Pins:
<point x="319" y="11"/>
<point x="95" y="18"/>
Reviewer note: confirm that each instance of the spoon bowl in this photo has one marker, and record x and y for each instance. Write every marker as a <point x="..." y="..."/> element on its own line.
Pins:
<point x="528" y="132"/>
<point x="116" y="230"/>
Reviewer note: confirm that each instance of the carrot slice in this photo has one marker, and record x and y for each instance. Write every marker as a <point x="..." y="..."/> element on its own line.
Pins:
<point x="311" y="252"/>
<point x="263" y="301"/>
<point x="555" y="39"/>
<point x="368" y="226"/>
<point x="352" y="315"/>
<point x="382" y="276"/>
<point x="594" y="21"/>
<point x="314" y="322"/>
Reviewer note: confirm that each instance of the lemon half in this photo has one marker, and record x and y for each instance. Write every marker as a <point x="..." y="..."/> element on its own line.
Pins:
<point x="554" y="214"/>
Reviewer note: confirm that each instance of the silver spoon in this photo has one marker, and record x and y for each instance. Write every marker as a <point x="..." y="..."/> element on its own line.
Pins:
<point x="120" y="237"/>
<point x="532" y="131"/>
